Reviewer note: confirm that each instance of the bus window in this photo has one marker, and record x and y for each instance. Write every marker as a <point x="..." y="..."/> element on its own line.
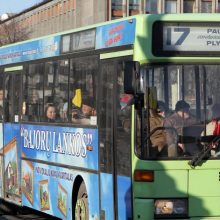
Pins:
<point x="12" y="95"/>
<point x="176" y="85"/>
<point x="123" y="129"/>
<point x="32" y="106"/>
<point x="106" y="117"/>
<point x="209" y="89"/>
<point x="62" y="90"/>
<point x="56" y="88"/>
<point x="83" y="90"/>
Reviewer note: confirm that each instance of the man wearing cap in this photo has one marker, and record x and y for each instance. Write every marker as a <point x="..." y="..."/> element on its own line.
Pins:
<point x="82" y="116"/>
<point x="161" y="109"/>
<point x="179" y="119"/>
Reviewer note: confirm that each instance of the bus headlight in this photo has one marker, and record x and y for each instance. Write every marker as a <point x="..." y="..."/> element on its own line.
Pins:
<point x="165" y="208"/>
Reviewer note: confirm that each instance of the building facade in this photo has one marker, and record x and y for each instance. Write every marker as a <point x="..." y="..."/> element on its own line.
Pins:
<point x="51" y="16"/>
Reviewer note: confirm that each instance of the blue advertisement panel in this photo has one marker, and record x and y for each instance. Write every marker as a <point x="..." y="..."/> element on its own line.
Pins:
<point x="107" y="199"/>
<point x="124" y="196"/>
<point x="117" y="34"/>
<point x="37" y="49"/>
<point x="49" y="189"/>
<point x="63" y="145"/>
<point x="12" y="167"/>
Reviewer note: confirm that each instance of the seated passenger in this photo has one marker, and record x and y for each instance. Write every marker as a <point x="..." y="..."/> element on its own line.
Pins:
<point x="162" y="109"/>
<point x="213" y="128"/>
<point x="83" y="115"/>
<point x="157" y="134"/>
<point x="179" y="119"/>
<point x="50" y="113"/>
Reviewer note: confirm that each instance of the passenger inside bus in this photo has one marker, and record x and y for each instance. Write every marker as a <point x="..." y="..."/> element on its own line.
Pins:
<point x="83" y="114"/>
<point x="162" y="109"/>
<point x="178" y="120"/>
<point x="213" y="129"/>
<point x="51" y="113"/>
<point x="157" y="133"/>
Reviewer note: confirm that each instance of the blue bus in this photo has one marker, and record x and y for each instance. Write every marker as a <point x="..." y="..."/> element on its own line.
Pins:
<point x="77" y="140"/>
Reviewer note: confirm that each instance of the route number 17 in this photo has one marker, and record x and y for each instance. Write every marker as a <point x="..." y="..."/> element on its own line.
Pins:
<point x="176" y="36"/>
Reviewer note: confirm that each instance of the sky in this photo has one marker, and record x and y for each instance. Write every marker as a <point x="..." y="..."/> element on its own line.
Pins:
<point x="16" y="6"/>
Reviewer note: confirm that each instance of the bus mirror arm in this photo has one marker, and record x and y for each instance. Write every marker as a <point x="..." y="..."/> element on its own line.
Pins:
<point x="204" y="153"/>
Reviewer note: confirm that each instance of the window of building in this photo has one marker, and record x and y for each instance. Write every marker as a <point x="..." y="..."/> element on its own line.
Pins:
<point x="29" y="21"/>
<point x="188" y="6"/>
<point x="117" y="9"/>
<point x="48" y="13"/>
<point x="218" y="7"/>
<point x="206" y="6"/>
<point x="57" y="10"/>
<point x="32" y="20"/>
<point x="41" y="16"/>
<point x="45" y="14"/>
<point x="52" y="11"/>
<point x="73" y="5"/>
<point x="38" y="17"/>
<point x="68" y="3"/>
<point x="134" y="6"/>
<point x="151" y="6"/>
<point x="170" y="6"/>
<point x="64" y="7"/>
<point x="60" y="7"/>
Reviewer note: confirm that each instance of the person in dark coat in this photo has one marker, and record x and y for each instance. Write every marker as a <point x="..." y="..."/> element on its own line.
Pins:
<point x="178" y="120"/>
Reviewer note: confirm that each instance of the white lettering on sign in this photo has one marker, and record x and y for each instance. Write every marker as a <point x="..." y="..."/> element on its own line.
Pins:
<point x="74" y="144"/>
<point x="191" y="38"/>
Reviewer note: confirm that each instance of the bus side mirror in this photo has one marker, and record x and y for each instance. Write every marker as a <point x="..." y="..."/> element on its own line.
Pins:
<point x="131" y="75"/>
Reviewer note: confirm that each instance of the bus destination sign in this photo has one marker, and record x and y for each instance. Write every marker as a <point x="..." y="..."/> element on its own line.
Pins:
<point x="191" y="37"/>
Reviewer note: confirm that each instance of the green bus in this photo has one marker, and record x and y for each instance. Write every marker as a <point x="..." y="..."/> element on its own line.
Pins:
<point x="117" y="120"/>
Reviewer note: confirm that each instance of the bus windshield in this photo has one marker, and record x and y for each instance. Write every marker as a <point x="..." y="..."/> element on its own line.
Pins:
<point x="183" y="119"/>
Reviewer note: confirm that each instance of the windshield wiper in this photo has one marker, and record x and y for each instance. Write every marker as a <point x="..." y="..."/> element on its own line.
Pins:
<point x="204" y="153"/>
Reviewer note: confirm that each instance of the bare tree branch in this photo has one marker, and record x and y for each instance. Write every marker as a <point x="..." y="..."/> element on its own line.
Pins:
<point x="12" y="31"/>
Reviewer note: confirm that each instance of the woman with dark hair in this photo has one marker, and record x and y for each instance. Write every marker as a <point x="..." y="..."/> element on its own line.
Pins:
<point x="50" y="113"/>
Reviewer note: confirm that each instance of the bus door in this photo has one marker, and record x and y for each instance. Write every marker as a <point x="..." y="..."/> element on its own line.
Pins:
<point x="114" y="145"/>
<point x="11" y="140"/>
